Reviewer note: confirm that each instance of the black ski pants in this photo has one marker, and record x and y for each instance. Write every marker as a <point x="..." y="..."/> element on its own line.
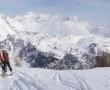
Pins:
<point x="4" y="67"/>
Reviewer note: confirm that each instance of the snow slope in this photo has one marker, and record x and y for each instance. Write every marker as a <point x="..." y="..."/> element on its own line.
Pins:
<point x="41" y="79"/>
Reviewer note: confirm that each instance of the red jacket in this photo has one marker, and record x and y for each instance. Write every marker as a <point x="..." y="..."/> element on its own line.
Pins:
<point x="5" y="57"/>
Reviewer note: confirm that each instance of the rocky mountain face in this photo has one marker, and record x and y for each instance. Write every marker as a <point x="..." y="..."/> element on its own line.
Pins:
<point x="56" y="57"/>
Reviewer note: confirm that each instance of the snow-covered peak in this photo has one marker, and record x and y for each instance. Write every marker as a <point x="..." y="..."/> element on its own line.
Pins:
<point x="5" y="28"/>
<point x="41" y="22"/>
<point x="54" y="24"/>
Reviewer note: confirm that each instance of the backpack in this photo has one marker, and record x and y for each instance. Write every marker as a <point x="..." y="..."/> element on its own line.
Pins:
<point x="5" y="57"/>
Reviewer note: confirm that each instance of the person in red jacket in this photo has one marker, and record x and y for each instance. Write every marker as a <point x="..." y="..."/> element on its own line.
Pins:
<point x="5" y="59"/>
<point x="2" y="64"/>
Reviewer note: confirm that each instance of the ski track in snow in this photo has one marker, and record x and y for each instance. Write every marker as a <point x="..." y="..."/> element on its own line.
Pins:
<point x="82" y="84"/>
<point x="66" y="83"/>
<point x="22" y="81"/>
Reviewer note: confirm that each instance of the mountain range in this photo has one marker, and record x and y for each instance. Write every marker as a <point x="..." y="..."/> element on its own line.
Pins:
<point x="54" y="40"/>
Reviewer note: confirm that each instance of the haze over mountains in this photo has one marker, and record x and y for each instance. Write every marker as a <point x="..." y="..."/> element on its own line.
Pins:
<point x="55" y="24"/>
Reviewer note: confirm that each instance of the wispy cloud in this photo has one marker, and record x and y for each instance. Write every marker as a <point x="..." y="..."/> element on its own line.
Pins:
<point x="96" y="10"/>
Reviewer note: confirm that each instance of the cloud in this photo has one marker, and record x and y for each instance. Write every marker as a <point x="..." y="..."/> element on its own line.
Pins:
<point x="94" y="10"/>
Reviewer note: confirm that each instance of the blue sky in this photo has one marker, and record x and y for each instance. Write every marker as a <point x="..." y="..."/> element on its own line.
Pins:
<point x="97" y="11"/>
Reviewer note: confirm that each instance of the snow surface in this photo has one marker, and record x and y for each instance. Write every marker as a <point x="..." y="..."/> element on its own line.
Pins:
<point x="42" y="79"/>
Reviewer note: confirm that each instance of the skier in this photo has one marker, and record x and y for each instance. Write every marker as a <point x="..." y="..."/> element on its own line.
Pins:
<point x="5" y="59"/>
<point x="2" y="65"/>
